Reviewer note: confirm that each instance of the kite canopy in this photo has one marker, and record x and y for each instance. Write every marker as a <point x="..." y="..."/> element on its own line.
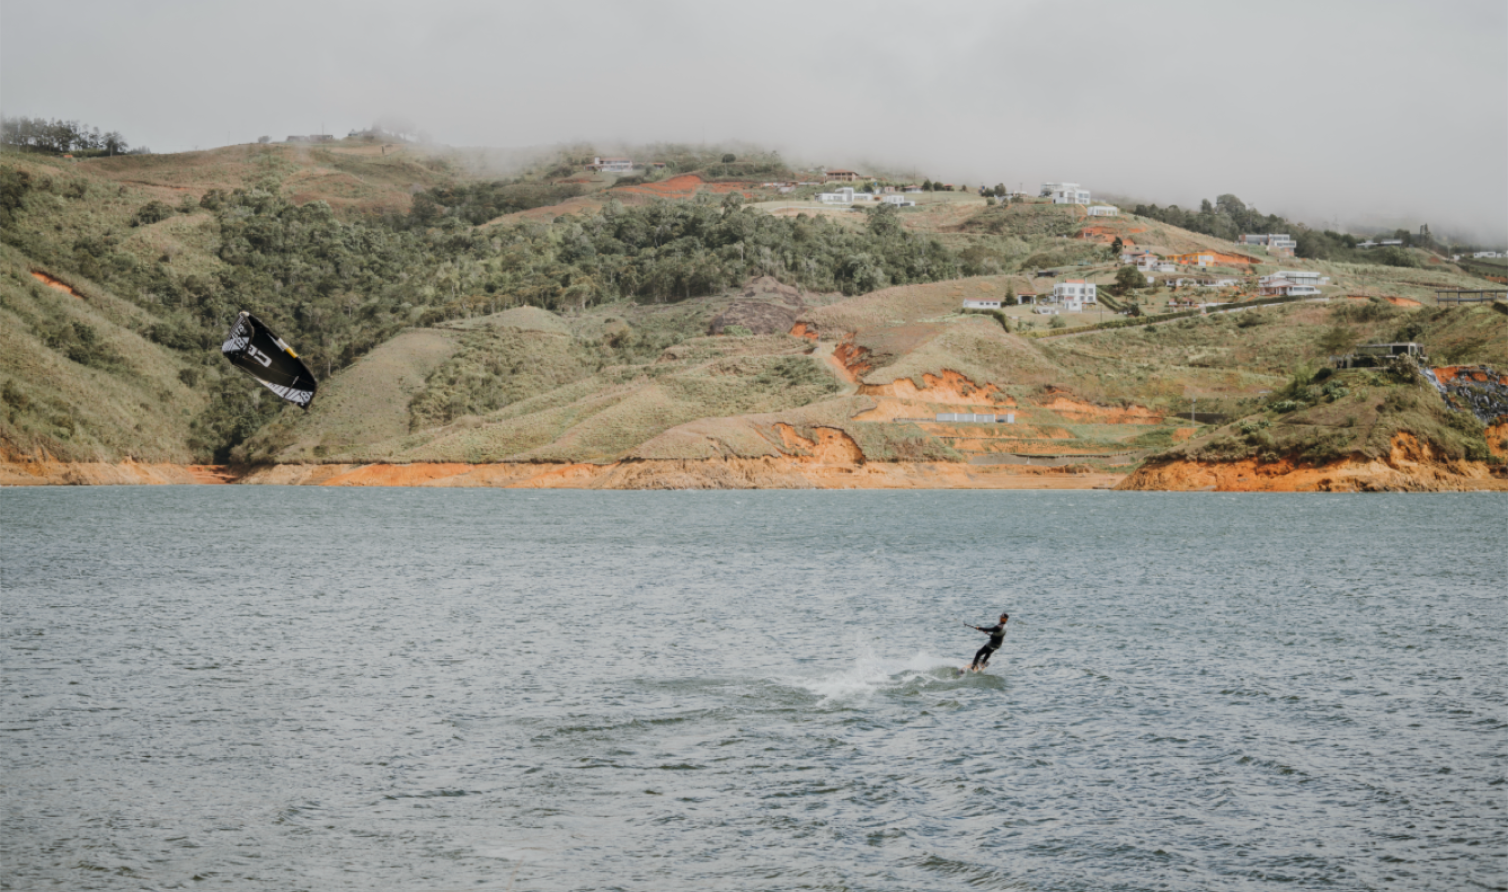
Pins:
<point x="254" y="349"/>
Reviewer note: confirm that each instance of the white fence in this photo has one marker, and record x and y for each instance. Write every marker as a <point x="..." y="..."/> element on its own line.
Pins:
<point x="1008" y="418"/>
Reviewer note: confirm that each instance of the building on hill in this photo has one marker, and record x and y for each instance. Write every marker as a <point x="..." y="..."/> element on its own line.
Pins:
<point x="612" y="165"/>
<point x="1146" y="262"/>
<point x="841" y="196"/>
<point x="1274" y="242"/>
<point x="1301" y="277"/>
<point x="1291" y="283"/>
<point x="981" y="303"/>
<point x="1104" y="210"/>
<point x="843" y="176"/>
<point x="898" y="200"/>
<point x="1073" y="294"/>
<point x="1065" y="193"/>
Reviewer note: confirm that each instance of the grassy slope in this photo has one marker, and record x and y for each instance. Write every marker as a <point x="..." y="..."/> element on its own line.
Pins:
<point x="78" y="380"/>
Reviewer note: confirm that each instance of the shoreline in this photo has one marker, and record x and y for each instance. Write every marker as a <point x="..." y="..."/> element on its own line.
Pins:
<point x="1180" y="475"/>
<point x="731" y="473"/>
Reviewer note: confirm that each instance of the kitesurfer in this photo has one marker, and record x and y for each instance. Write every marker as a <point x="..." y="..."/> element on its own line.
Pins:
<point x="997" y="638"/>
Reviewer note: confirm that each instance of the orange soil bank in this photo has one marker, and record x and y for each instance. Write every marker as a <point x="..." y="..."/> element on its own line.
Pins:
<point x="825" y="468"/>
<point x="50" y="282"/>
<point x="1410" y="466"/>
<point x="949" y="387"/>
<point x="1449" y="374"/>
<point x="45" y="472"/>
<point x="854" y="358"/>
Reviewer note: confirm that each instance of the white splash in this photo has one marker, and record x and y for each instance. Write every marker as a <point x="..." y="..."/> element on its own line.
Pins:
<point x="870" y="673"/>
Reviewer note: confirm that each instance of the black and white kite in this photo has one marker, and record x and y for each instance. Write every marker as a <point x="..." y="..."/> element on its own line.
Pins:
<point x="254" y="349"/>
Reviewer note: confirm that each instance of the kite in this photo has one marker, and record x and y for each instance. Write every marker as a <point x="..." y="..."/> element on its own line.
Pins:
<point x="254" y="349"/>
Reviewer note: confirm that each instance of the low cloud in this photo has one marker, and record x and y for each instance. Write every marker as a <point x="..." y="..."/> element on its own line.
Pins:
<point x="1349" y="112"/>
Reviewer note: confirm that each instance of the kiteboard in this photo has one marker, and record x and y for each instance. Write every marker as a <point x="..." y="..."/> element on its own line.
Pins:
<point x="967" y="669"/>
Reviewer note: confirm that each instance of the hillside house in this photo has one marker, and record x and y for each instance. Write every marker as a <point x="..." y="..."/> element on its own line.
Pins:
<point x="1146" y="262"/>
<point x="1274" y="242"/>
<point x="898" y="201"/>
<point x="1104" y="210"/>
<point x="1300" y="277"/>
<point x="981" y="303"/>
<point x="612" y="165"/>
<point x="1065" y="193"/>
<point x="842" y="196"/>
<point x="1277" y="286"/>
<point x="843" y="176"/>
<point x="1073" y="294"/>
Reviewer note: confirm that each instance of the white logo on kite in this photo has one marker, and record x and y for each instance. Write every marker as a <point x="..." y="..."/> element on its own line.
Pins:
<point x="259" y="356"/>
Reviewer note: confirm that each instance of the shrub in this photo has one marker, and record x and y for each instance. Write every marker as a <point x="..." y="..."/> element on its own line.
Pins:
<point x="153" y="211"/>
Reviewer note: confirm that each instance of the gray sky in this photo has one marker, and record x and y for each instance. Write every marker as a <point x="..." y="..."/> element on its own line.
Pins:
<point x="1383" y="111"/>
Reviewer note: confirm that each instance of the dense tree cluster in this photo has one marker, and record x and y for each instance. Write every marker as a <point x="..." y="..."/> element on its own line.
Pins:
<point x="1228" y="217"/>
<point x="477" y="203"/>
<point x="59" y="137"/>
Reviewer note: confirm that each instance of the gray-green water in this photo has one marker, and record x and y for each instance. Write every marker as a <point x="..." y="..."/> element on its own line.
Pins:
<point x="333" y="689"/>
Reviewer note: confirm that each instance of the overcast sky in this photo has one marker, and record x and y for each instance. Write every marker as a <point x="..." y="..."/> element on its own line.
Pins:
<point x="1382" y="111"/>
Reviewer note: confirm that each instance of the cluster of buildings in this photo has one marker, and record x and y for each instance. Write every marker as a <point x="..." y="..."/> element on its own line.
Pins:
<point x="620" y="165"/>
<point x="1275" y="243"/>
<point x="1072" y="193"/>
<point x="847" y="195"/>
<point x="1072" y="296"/>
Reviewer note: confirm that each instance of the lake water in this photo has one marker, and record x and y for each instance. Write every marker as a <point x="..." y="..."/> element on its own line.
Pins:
<point x="271" y="688"/>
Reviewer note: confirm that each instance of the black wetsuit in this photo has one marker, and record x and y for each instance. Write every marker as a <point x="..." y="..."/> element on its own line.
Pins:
<point x="997" y="638"/>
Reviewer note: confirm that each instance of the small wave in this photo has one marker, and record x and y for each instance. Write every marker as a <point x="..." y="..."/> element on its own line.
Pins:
<point x="870" y="674"/>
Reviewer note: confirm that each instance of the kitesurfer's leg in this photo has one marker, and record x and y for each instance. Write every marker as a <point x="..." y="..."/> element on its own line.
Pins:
<point x="982" y="658"/>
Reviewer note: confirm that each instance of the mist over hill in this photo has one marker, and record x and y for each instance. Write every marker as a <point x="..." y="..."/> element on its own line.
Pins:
<point x="1346" y="112"/>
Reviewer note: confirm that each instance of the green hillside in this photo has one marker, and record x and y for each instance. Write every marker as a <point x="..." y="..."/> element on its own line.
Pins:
<point x="558" y="315"/>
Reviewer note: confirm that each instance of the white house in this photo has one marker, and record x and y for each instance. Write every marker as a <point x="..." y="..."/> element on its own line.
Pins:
<point x="899" y="201"/>
<point x="1074" y="294"/>
<point x="1147" y="262"/>
<point x="613" y="165"/>
<point x="1103" y="210"/>
<point x="981" y="303"/>
<point x="842" y="196"/>
<point x="1297" y="277"/>
<point x="1065" y="193"/>
<point x="1277" y="286"/>
<point x="1486" y="254"/>
<point x="1276" y="242"/>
